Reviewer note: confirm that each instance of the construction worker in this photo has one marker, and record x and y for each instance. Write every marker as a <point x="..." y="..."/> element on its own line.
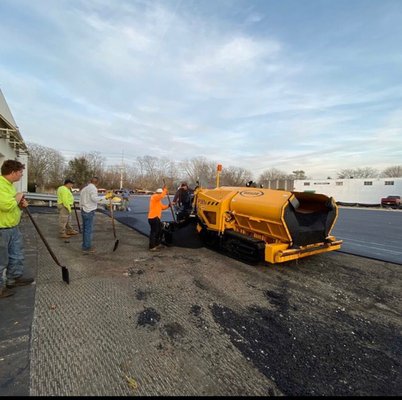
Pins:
<point x="125" y="200"/>
<point x="183" y="201"/>
<point x="154" y="218"/>
<point x="65" y="201"/>
<point x="11" y="239"/>
<point x="89" y="200"/>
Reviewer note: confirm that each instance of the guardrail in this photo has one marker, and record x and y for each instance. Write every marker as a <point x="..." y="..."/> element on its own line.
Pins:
<point x="46" y="197"/>
<point x="51" y="199"/>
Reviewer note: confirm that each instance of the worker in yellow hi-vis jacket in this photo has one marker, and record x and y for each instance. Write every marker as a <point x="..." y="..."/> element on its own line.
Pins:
<point x="65" y="201"/>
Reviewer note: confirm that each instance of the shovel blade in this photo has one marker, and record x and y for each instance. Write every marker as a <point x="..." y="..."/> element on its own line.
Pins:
<point x="65" y="274"/>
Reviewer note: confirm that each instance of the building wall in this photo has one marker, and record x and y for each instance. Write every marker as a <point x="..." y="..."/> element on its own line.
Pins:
<point x="15" y="150"/>
<point x="368" y="191"/>
<point x="6" y="152"/>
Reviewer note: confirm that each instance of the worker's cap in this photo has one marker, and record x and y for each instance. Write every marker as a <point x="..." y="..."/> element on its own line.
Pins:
<point x="159" y="190"/>
<point x="184" y="184"/>
<point x="68" y="181"/>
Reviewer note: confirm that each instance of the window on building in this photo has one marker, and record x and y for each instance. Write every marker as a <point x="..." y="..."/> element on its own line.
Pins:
<point x="389" y="182"/>
<point x="339" y="183"/>
<point x="368" y="183"/>
<point x="306" y="183"/>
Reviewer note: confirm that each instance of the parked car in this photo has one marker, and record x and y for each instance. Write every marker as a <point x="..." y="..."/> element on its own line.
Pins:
<point x="391" y="201"/>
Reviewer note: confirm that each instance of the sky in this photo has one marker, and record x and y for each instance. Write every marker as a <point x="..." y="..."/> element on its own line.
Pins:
<point x="312" y="85"/>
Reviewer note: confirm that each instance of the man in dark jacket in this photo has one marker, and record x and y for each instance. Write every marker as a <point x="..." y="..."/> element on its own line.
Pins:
<point x="183" y="201"/>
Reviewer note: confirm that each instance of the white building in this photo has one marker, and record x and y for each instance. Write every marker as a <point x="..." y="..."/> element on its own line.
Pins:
<point x="12" y="146"/>
<point x="367" y="191"/>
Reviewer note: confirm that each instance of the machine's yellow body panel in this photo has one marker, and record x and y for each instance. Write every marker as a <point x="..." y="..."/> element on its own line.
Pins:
<point x="290" y="224"/>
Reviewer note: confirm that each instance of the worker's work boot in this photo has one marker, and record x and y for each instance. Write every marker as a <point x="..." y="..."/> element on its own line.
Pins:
<point x="19" y="282"/>
<point x="64" y="236"/>
<point x="73" y="232"/>
<point x="92" y="250"/>
<point x="5" y="292"/>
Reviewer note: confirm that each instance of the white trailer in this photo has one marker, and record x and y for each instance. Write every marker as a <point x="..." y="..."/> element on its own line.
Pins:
<point x="365" y="192"/>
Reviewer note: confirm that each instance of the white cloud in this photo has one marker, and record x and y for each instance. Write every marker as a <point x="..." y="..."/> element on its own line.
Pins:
<point x="164" y="78"/>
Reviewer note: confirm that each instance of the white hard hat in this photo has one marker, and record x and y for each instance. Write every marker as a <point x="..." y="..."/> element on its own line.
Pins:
<point x="159" y="190"/>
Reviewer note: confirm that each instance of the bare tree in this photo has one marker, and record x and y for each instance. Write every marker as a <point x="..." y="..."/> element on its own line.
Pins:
<point x="151" y="172"/>
<point x="235" y="176"/>
<point x="148" y="167"/>
<point x="200" y="169"/>
<point x="96" y="162"/>
<point x="56" y="169"/>
<point x="170" y="173"/>
<point x="366" y="172"/>
<point x="271" y="174"/>
<point x="131" y="177"/>
<point x="45" y="166"/>
<point x="392" y="172"/>
<point x="110" y="178"/>
<point x="345" y="173"/>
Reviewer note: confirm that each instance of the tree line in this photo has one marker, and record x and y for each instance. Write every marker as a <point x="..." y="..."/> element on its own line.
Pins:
<point x="47" y="169"/>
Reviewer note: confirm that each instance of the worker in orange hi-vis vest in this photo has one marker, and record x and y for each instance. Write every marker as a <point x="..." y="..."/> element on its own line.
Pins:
<point x="154" y="218"/>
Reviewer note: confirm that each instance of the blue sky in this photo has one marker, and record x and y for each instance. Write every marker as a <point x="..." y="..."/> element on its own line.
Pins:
<point x="313" y="85"/>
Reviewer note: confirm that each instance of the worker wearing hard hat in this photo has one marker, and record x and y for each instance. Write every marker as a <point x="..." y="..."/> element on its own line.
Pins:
<point x="154" y="218"/>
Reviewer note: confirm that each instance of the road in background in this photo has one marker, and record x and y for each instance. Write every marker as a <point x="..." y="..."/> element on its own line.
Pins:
<point x="371" y="233"/>
<point x="365" y="232"/>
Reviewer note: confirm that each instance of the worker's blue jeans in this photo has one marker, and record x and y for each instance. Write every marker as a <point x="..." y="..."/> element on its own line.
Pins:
<point x="87" y="225"/>
<point x="11" y="254"/>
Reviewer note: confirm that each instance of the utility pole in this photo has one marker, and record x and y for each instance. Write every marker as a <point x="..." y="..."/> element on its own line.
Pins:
<point x="122" y="169"/>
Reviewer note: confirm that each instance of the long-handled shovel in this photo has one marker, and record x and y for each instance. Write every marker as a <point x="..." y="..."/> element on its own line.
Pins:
<point x="76" y="216"/>
<point x="170" y="204"/>
<point x="64" y="270"/>
<point x="116" y="243"/>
